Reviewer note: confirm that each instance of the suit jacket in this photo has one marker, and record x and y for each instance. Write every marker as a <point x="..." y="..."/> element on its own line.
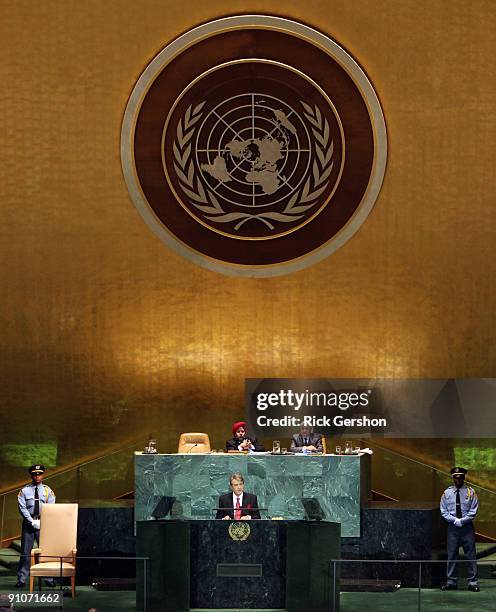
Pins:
<point x="250" y="506"/>
<point x="298" y="442"/>
<point x="233" y="443"/>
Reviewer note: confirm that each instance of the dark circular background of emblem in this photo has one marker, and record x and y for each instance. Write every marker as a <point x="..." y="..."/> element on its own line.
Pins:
<point x="301" y="80"/>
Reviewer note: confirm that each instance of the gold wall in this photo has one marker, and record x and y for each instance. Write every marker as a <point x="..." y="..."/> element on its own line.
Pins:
<point x="107" y="334"/>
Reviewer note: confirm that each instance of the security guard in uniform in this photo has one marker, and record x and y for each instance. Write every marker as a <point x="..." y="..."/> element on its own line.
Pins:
<point x="30" y="499"/>
<point x="459" y="505"/>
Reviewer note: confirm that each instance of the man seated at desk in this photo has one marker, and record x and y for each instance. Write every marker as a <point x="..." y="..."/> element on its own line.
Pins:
<point x="241" y="441"/>
<point x="238" y="505"/>
<point x="306" y="440"/>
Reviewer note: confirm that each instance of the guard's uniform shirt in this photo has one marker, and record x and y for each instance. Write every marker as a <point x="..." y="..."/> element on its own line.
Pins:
<point x="460" y="536"/>
<point x="469" y="504"/>
<point x="26" y="499"/>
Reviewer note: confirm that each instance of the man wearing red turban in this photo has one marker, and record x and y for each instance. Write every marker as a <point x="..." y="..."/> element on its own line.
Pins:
<point x="241" y="441"/>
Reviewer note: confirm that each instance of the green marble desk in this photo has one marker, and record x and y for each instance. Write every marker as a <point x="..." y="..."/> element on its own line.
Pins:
<point x="339" y="483"/>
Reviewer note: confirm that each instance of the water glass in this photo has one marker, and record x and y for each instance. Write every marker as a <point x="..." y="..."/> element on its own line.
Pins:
<point x="151" y="449"/>
<point x="276" y="446"/>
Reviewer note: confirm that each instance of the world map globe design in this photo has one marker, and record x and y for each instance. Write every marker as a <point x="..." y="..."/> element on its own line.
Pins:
<point x="253" y="150"/>
<point x="257" y="149"/>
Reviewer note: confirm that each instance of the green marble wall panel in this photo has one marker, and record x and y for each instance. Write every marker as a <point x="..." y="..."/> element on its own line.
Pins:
<point x="279" y="483"/>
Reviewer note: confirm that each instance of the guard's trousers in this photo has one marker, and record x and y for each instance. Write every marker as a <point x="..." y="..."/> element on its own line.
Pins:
<point x="461" y="536"/>
<point x="28" y="537"/>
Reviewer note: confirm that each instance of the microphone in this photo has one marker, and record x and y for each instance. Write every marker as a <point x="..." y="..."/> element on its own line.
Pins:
<point x="195" y="444"/>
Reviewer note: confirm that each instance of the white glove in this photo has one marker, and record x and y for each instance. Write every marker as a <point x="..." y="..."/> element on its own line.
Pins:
<point x="36" y="523"/>
<point x="457" y="522"/>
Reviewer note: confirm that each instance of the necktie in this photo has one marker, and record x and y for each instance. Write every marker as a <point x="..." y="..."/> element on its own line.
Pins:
<point x="237" y="512"/>
<point x="36" y="503"/>
<point x="458" y="505"/>
<point x="306" y="441"/>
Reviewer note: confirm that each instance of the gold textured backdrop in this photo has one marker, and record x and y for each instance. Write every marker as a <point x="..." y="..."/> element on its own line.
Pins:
<point x="107" y="334"/>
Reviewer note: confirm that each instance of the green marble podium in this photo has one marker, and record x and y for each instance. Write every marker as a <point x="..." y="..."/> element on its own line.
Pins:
<point x="340" y="483"/>
<point x="198" y="564"/>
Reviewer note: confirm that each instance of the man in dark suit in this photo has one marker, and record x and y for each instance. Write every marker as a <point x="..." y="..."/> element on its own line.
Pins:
<point x="238" y="505"/>
<point x="241" y="441"/>
<point x="306" y="440"/>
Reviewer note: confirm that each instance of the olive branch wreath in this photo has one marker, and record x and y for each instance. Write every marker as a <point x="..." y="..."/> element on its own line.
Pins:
<point x="205" y="200"/>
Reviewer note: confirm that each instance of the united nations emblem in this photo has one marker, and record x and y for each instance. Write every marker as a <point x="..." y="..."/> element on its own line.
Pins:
<point x="254" y="145"/>
<point x="257" y="164"/>
<point x="239" y="530"/>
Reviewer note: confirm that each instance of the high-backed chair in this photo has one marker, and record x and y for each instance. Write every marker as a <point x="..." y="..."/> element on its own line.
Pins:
<point x="194" y="443"/>
<point x="56" y="555"/>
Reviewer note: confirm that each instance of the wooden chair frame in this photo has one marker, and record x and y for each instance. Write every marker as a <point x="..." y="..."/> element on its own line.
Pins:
<point x="35" y="555"/>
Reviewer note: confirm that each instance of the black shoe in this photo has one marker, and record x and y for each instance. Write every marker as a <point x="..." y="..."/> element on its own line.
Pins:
<point x="474" y="587"/>
<point x="20" y="585"/>
<point x="449" y="587"/>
